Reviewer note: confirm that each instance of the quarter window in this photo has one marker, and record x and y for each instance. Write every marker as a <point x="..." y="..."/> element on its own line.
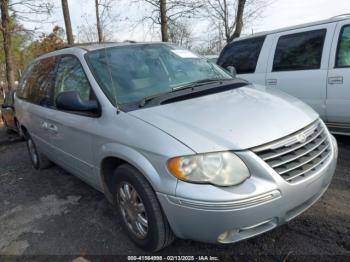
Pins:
<point x="300" y="51"/>
<point x="343" y="53"/>
<point x="36" y="82"/>
<point x="71" y="77"/>
<point x="243" y="55"/>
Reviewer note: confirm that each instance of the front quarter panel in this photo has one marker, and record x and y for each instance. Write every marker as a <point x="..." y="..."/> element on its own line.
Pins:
<point x="144" y="146"/>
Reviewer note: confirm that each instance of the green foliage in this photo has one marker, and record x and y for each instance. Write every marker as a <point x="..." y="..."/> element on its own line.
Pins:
<point x="20" y="41"/>
<point x="25" y="48"/>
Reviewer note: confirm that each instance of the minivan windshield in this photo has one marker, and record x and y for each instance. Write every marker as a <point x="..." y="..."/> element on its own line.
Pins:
<point x="128" y="74"/>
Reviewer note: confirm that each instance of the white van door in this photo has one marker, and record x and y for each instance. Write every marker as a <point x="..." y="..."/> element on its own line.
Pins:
<point x="298" y="64"/>
<point x="338" y="84"/>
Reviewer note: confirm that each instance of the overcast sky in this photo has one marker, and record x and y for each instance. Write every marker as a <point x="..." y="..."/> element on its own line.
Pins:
<point x="279" y="14"/>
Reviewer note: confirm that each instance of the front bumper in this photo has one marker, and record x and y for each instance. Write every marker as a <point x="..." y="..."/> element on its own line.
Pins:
<point x="224" y="215"/>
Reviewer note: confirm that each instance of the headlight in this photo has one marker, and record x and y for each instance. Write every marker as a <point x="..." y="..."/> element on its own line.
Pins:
<point x="222" y="169"/>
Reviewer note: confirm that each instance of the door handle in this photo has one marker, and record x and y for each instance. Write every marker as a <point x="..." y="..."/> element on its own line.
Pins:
<point x="271" y="82"/>
<point x="44" y="125"/>
<point x="52" y="128"/>
<point x="335" y="80"/>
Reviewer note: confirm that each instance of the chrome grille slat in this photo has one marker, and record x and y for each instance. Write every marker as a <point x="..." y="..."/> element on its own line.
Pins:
<point x="287" y="140"/>
<point x="298" y="155"/>
<point x="309" y="169"/>
<point x="303" y="163"/>
<point x="297" y="146"/>
<point x="302" y="154"/>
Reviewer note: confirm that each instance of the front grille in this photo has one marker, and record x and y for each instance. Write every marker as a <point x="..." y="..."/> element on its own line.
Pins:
<point x="298" y="155"/>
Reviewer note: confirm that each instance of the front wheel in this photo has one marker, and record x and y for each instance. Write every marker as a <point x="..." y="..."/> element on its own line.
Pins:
<point x="139" y="210"/>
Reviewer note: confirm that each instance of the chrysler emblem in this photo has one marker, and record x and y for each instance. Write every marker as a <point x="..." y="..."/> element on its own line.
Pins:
<point x="301" y="138"/>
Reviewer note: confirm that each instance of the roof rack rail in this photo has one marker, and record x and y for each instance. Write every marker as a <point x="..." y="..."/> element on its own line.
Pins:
<point x="339" y="16"/>
<point x="82" y="44"/>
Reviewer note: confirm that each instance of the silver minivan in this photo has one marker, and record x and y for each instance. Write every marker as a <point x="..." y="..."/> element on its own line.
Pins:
<point x="179" y="145"/>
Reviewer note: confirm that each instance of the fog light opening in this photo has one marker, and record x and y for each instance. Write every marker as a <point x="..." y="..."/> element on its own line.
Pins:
<point x="227" y="236"/>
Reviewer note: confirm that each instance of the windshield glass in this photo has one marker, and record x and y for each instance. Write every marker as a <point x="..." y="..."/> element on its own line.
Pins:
<point x="127" y="74"/>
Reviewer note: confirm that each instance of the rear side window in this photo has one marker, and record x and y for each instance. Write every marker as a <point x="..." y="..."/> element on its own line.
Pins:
<point x="71" y="77"/>
<point x="300" y="51"/>
<point x="343" y="52"/>
<point x="243" y="55"/>
<point x="37" y="82"/>
<point x="24" y="89"/>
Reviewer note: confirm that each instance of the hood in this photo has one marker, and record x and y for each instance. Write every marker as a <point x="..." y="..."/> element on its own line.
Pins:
<point x="238" y="119"/>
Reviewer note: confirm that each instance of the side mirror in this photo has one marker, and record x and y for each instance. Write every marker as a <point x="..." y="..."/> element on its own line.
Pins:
<point x="232" y="70"/>
<point x="71" y="101"/>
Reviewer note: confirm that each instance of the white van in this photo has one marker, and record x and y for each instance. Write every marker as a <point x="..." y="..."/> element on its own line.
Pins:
<point x="309" y="61"/>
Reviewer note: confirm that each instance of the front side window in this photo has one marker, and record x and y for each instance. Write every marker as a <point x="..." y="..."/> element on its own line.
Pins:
<point x="127" y="74"/>
<point x="343" y="53"/>
<point x="71" y="77"/>
<point x="300" y="51"/>
<point x="243" y="55"/>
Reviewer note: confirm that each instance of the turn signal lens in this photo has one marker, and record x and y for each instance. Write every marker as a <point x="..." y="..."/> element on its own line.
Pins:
<point x="174" y="167"/>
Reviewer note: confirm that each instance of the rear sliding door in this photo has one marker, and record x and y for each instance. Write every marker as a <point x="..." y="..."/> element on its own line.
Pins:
<point x="298" y="64"/>
<point x="338" y="85"/>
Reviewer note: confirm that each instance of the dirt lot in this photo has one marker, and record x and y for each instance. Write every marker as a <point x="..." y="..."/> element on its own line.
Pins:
<point x="51" y="212"/>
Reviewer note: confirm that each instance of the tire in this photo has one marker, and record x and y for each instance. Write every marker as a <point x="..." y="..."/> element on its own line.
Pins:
<point x="8" y="131"/>
<point x="158" y="232"/>
<point x="38" y="159"/>
<point x="19" y="130"/>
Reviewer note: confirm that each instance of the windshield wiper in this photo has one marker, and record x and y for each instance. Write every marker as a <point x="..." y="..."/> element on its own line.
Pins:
<point x="146" y="99"/>
<point x="200" y="83"/>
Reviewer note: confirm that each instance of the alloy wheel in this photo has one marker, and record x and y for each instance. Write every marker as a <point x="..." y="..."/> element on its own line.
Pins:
<point x="132" y="210"/>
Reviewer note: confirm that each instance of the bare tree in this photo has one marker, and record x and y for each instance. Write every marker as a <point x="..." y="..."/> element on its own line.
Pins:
<point x="103" y="17"/>
<point x="87" y="33"/>
<point x="163" y="20"/>
<point x="180" y="33"/>
<point x="98" y="22"/>
<point x="232" y="15"/>
<point x="165" y="12"/>
<point x="22" y="10"/>
<point x="67" y="22"/>
<point x="6" y="34"/>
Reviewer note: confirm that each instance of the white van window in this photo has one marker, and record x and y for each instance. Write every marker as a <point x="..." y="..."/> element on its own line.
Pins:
<point x="300" y="51"/>
<point x="343" y="52"/>
<point x="243" y="55"/>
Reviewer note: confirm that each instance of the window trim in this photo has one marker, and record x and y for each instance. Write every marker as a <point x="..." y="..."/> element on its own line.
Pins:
<point x="338" y="47"/>
<point x="307" y="67"/>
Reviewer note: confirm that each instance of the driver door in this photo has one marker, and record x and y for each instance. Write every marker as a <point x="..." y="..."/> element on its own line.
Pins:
<point x="71" y="132"/>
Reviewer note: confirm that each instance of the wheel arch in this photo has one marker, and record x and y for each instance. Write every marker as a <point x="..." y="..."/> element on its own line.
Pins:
<point x="116" y="155"/>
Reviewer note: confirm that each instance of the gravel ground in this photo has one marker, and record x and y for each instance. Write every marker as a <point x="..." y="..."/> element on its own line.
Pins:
<point x="52" y="216"/>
